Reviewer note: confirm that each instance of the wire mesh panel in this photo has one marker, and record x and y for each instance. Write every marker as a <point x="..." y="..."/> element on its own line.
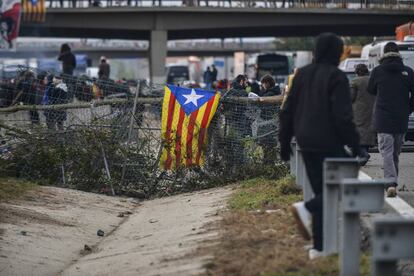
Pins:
<point x="103" y="136"/>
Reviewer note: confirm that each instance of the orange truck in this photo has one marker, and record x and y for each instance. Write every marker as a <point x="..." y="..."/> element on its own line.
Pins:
<point x="404" y="30"/>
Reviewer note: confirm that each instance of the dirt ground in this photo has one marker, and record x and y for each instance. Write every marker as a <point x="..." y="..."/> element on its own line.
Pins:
<point x="47" y="229"/>
<point x="45" y="233"/>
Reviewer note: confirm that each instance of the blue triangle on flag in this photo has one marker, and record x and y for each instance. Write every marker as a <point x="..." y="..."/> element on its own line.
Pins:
<point x="190" y="99"/>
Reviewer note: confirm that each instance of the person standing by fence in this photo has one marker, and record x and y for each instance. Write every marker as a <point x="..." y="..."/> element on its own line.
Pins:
<point x="318" y="112"/>
<point x="238" y="125"/>
<point x="363" y="105"/>
<point x="56" y="93"/>
<point x="207" y="76"/>
<point x="393" y="84"/>
<point x="267" y="132"/>
<point x="68" y="59"/>
<point x="104" y="69"/>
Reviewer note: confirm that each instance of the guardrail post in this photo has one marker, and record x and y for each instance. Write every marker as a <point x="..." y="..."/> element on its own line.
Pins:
<point x="392" y="240"/>
<point x="335" y="169"/>
<point x="293" y="158"/>
<point x="299" y="166"/>
<point x="357" y="196"/>
<point x="302" y="176"/>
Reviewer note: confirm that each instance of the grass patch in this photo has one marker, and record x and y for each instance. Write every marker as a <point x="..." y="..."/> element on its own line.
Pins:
<point x="266" y="243"/>
<point x="261" y="193"/>
<point x="11" y="188"/>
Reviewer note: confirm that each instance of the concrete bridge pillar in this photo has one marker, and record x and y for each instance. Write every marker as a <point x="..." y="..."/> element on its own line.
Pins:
<point x="157" y="56"/>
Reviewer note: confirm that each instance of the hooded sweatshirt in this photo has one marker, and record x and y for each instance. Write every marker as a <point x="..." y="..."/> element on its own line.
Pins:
<point x="393" y="84"/>
<point x="318" y="110"/>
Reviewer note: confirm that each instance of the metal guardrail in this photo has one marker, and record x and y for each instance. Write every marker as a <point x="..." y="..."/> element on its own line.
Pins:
<point x="346" y="195"/>
<point x="392" y="240"/>
<point x="335" y="170"/>
<point x="357" y="196"/>
<point x="269" y="4"/>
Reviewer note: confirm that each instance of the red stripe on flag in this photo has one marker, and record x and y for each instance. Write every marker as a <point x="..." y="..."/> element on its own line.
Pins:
<point x="168" y="141"/>
<point x="203" y="129"/>
<point x="190" y="134"/>
<point x="178" y="139"/>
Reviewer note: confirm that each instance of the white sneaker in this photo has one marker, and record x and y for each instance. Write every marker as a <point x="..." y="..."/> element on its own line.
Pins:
<point x="303" y="219"/>
<point x="314" y="254"/>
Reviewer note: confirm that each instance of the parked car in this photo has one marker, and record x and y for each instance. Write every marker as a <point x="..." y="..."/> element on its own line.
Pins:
<point x="177" y="74"/>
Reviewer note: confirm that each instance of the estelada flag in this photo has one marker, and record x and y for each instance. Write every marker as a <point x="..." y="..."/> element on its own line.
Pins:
<point x="186" y="115"/>
<point x="34" y="10"/>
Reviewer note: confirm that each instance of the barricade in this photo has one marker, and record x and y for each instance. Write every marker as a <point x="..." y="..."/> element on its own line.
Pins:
<point x="105" y="136"/>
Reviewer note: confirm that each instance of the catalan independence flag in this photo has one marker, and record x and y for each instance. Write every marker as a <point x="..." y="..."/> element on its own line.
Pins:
<point x="34" y="10"/>
<point x="186" y="115"/>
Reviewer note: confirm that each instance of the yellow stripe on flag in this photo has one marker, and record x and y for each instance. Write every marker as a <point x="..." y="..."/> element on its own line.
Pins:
<point x="164" y="118"/>
<point x="184" y="135"/>
<point x="174" y="125"/>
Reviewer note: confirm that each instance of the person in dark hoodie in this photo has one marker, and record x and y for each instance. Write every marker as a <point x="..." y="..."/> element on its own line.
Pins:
<point x="68" y="59"/>
<point x="318" y="112"/>
<point x="238" y="125"/>
<point x="267" y="133"/>
<point x="393" y="85"/>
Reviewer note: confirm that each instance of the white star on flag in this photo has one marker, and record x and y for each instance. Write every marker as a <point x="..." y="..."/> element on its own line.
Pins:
<point x="192" y="98"/>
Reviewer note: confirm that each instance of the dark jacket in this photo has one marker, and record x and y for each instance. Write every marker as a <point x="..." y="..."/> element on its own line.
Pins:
<point x="56" y="94"/>
<point x="363" y="105"/>
<point x="318" y="110"/>
<point x="273" y="91"/>
<point x="104" y="70"/>
<point x="393" y="84"/>
<point x="68" y="62"/>
<point x="269" y="112"/>
<point x="235" y="112"/>
<point x="214" y="74"/>
<point x="207" y="76"/>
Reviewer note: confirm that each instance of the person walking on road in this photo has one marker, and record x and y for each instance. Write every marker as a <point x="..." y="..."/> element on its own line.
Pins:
<point x="393" y="84"/>
<point x="318" y="112"/>
<point x="104" y="69"/>
<point x="363" y="105"/>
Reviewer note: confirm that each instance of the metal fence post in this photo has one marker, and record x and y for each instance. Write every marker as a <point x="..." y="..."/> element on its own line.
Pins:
<point x="357" y="196"/>
<point x="131" y="127"/>
<point x="335" y="169"/>
<point x="392" y="240"/>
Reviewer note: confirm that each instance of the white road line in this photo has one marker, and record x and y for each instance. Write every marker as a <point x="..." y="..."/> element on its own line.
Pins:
<point x="397" y="203"/>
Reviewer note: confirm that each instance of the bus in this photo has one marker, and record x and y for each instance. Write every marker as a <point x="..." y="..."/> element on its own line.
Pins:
<point x="277" y="65"/>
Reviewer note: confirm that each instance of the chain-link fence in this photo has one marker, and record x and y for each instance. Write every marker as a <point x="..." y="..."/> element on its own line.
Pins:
<point x="103" y="136"/>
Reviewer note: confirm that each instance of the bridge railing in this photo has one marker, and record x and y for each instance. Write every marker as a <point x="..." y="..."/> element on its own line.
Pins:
<point x="269" y="4"/>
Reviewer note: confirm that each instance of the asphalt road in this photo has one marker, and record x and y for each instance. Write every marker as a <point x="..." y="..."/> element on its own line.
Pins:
<point x="406" y="175"/>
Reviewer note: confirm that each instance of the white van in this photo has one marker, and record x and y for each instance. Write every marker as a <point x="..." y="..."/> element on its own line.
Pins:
<point x="348" y="66"/>
<point x="406" y="49"/>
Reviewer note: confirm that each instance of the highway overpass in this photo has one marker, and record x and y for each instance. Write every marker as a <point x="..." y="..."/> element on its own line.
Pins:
<point x="159" y="24"/>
